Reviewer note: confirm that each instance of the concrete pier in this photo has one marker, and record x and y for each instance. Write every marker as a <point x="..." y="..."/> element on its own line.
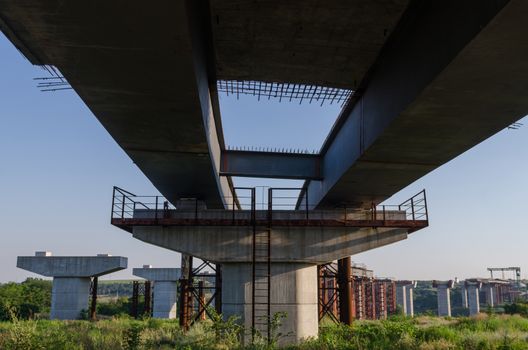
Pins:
<point x="71" y="278"/>
<point x="294" y="292"/>
<point x="401" y="296"/>
<point x="473" y="297"/>
<point x="409" y="298"/>
<point x="165" y="289"/>
<point x="295" y="253"/>
<point x="464" y="294"/>
<point x="443" y="296"/>
<point x="489" y="291"/>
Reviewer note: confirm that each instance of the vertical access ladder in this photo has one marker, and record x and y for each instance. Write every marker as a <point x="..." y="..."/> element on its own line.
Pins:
<point x="261" y="275"/>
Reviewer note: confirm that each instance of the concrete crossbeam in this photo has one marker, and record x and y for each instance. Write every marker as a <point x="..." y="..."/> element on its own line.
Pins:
<point x="316" y="245"/>
<point x="158" y="274"/>
<point x="72" y="266"/>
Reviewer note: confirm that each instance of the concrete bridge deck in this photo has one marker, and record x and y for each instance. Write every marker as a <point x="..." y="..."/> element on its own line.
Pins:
<point x="430" y="80"/>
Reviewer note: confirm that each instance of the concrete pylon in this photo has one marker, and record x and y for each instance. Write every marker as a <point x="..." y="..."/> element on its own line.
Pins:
<point x="464" y="294"/>
<point x="71" y="278"/>
<point x="404" y="296"/>
<point x="293" y="293"/>
<point x="409" y="298"/>
<point x="401" y="296"/>
<point x="473" y="297"/>
<point x="443" y="296"/>
<point x="489" y="291"/>
<point x="165" y="289"/>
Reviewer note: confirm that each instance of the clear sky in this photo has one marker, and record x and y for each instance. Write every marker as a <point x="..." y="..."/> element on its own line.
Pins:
<point x="58" y="166"/>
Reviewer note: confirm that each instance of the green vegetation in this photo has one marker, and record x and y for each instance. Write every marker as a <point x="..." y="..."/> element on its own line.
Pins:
<point x="26" y="299"/>
<point x="422" y="333"/>
<point x="519" y="308"/>
<point x="23" y="305"/>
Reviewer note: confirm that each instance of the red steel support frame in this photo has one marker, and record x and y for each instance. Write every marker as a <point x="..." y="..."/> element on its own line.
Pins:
<point x="148" y="299"/>
<point x="346" y="299"/>
<point x="93" y="306"/>
<point x="359" y="297"/>
<point x="370" y="300"/>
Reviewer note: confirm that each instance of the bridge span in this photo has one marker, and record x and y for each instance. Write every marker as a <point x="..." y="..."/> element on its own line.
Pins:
<point x="421" y="82"/>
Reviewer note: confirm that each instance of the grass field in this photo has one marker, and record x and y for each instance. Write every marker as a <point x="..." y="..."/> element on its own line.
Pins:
<point x="483" y="332"/>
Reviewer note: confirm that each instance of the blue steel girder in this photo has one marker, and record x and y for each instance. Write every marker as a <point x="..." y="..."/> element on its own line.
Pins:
<point x="271" y="165"/>
<point x="436" y="90"/>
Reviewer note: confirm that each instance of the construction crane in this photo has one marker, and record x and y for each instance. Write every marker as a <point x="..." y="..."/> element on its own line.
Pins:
<point x="517" y="271"/>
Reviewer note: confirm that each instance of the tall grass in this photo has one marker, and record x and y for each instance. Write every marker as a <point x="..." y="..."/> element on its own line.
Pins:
<point x="422" y="333"/>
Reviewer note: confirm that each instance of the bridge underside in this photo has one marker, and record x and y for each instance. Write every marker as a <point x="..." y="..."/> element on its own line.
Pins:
<point x="430" y="80"/>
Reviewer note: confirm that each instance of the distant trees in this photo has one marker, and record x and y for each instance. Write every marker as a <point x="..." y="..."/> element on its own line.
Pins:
<point x="25" y="299"/>
<point x="519" y="308"/>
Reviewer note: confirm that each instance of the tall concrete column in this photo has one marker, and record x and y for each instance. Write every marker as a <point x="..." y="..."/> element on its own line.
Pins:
<point x="401" y="296"/>
<point x="69" y="296"/>
<point x="443" y="297"/>
<point x="165" y="289"/>
<point x="473" y="297"/>
<point x="71" y="278"/>
<point x="409" y="298"/>
<point x="294" y="292"/>
<point x="464" y="293"/>
<point x="489" y="291"/>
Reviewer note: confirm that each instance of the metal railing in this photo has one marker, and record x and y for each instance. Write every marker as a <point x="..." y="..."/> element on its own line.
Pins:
<point x="242" y="209"/>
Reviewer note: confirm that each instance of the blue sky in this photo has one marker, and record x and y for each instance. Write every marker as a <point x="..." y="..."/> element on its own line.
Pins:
<point x="58" y="166"/>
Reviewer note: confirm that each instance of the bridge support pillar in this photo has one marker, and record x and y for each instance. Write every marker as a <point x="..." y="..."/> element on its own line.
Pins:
<point x="71" y="278"/>
<point x="443" y="297"/>
<point x="464" y="293"/>
<point x="401" y="297"/>
<point x="294" y="292"/>
<point x="490" y="294"/>
<point x="165" y="289"/>
<point x="473" y="297"/>
<point x="69" y="296"/>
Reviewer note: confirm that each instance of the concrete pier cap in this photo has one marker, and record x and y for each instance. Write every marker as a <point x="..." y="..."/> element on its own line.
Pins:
<point x="165" y="289"/>
<point x="71" y="266"/>
<point x="157" y="274"/>
<point x="71" y="278"/>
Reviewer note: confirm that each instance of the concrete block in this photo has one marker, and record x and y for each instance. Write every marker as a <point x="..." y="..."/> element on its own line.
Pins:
<point x="43" y="253"/>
